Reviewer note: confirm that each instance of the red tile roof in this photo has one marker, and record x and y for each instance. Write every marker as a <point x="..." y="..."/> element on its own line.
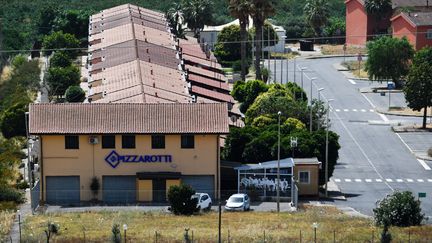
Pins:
<point x="212" y="94"/>
<point x="128" y="118"/>
<point x="209" y="82"/>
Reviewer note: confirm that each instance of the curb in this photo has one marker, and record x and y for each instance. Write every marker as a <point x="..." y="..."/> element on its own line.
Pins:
<point x="396" y="114"/>
<point x="330" y="56"/>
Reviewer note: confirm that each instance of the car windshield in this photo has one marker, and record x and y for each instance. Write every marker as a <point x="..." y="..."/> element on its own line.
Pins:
<point x="235" y="199"/>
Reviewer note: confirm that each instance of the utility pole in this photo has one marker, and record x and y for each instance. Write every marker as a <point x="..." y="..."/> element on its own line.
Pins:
<point x="327" y="142"/>
<point x="278" y="166"/>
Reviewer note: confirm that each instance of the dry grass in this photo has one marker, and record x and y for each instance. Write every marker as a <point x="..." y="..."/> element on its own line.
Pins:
<point x="5" y="74"/>
<point x="6" y="221"/>
<point x="408" y="111"/>
<point x="338" y="50"/>
<point x="243" y="227"/>
<point x="353" y="66"/>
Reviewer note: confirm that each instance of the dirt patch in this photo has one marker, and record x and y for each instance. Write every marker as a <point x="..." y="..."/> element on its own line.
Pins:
<point x="338" y="50"/>
<point x="353" y="66"/>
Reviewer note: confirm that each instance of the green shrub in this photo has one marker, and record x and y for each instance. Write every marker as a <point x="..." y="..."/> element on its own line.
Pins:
<point x="11" y="194"/>
<point x="75" y="94"/>
<point x="181" y="201"/>
<point x="398" y="209"/>
<point x="116" y="234"/>
<point x="22" y="185"/>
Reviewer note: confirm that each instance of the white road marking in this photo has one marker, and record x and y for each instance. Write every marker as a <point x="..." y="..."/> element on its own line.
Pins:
<point x="420" y="180"/>
<point x="355" y="110"/>
<point x="429" y="180"/>
<point x="338" y="110"/>
<point x="352" y="81"/>
<point x="383" y="117"/>
<point x="371" y="110"/>
<point x="368" y="180"/>
<point x="378" y="180"/>
<point x="347" y="180"/>
<point x="368" y="100"/>
<point x="410" y="180"/>
<point x="337" y="180"/>
<point x="358" y="180"/>
<point x="346" y="110"/>
<point x="404" y="143"/>
<point x="423" y="163"/>
<point x="389" y="180"/>
<point x="399" y="180"/>
<point x="363" y="110"/>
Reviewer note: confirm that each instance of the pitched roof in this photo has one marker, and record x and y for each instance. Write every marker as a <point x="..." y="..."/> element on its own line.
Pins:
<point x="416" y="19"/>
<point x="121" y="118"/>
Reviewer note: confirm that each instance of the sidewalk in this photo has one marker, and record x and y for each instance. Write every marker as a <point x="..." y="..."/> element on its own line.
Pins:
<point x="24" y="211"/>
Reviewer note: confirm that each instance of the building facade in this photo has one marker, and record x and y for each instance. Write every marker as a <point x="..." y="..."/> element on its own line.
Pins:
<point x="136" y="151"/>
<point x="416" y="27"/>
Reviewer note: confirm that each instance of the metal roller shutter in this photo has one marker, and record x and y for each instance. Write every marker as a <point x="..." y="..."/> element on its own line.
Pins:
<point x="201" y="183"/>
<point x="119" y="189"/>
<point x="63" y="190"/>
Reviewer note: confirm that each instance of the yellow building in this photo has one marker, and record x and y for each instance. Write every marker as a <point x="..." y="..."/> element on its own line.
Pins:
<point x="136" y="151"/>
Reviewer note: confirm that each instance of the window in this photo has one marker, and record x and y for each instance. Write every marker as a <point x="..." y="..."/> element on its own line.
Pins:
<point x="158" y="141"/>
<point x="108" y="141"/>
<point x="128" y="141"/>
<point x="71" y="142"/>
<point x="429" y="34"/>
<point x="187" y="141"/>
<point x="304" y="177"/>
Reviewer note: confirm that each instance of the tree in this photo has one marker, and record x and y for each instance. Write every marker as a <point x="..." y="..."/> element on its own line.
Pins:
<point x="46" y="19"/>
<point x="197" y="14"/>
<point x="10" y="158"/>
<point x="60" y="40"/>
<point x="175" y="20"/>
<point x="246" y="92"/>
<point x="74" y="22"/>
<point x="377" y="7"/>
<point x="260" y="11"/>
<point x="398" y="209"/>
<point x="236" y="141"/>
<point x="181" y="201"/>
<point x="241" y="9"/>
<point x="336" y="28"/>
<point x="269" y="37"/>
<point x="317" y="13"/>
<point x="13" y="121"/>
<point x="59" y="79"/>
<point x="74" y="94"/>
<point x="388" y="59"/>
<point x="95" y="186"/>
<point x="60" y="59"/>
<point x="418" y="88"/>
<point x="227" y="47"/>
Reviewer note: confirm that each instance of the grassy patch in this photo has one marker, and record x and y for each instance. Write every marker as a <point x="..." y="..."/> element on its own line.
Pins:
<point x="7" y="213"/>
<point x="353" y="66"/>
<point x="243" y="227"/>
<point x="289" y="55"/>
<point x="338" y="50"/>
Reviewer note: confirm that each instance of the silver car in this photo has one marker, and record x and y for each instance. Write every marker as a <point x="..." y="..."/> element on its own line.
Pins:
<point x="239" y="201"/>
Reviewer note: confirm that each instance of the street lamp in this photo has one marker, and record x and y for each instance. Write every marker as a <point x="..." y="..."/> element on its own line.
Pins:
<point x="125" y="227"/>
<point x="301" y="71"/>
<point x="281" y="64"/>
<point x="315" y="226"/>
<point x="319" y="94"/>
<point x="310" y="98"/>
<point x="326" y="151"/>
<point x="278" y="165"/>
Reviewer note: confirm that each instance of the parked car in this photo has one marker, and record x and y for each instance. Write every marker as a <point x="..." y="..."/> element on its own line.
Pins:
<point x="238" y="202"/>
<point x="204" y="201"/>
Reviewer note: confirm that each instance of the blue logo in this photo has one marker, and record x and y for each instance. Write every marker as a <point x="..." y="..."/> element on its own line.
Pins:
<point x="114" y="159"/>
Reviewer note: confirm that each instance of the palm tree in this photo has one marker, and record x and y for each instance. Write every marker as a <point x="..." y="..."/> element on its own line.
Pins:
<point x="175" y="19"/>
<point x="377" y="7"/>
<point x="260" y="10"/>
<point x="197" y="13"/>
<point x="240" y="9"/>
<point x="317" y="13"/>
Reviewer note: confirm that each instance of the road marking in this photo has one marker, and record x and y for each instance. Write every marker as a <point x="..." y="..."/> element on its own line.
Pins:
<point x="420" y="180"/>
<point x="337" y="180"/>
<point x="355" y="110"/>
<point x="423" y="163"/>
<point x="352" y="81"/>
<point x="399" y="180"/>
<point x="363" y="110"/>
<point x="338" y="110"/>
<point x="368" y="100"/>
<point x="389" y="180"/>
<point x="346" y="110"/>
<point x="347" y="180"/>
<point x="429" y="180"/>
<point x="368" y="180"/>
<point x="378" y="180"/>
<point x="383" y="117"/>
<point x="410" y="180"/>
<point x="358" y="180"/>
<point x="371" y="110"/>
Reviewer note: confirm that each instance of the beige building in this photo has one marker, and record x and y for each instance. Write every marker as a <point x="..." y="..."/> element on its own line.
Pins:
<point x="136" y="151"/>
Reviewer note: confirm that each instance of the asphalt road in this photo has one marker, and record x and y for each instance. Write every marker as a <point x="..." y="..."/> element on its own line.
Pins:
<point x="373" y="160"/>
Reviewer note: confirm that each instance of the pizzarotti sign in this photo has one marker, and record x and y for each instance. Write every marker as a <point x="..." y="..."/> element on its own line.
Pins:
<point x="114" y="159"/>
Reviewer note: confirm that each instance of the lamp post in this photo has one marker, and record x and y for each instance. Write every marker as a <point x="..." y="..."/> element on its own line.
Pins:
<point x="301" y="71"/>
<point x="278" y="166"/>
<point x="281" y="64"/>
<point x="310" y="98"/>
<point x="19" y="224"/>
<point x="315" y="226"/>
<point x="319" y="94"/>
<point x="125" y="227"/>
<point x="326" y="151"/>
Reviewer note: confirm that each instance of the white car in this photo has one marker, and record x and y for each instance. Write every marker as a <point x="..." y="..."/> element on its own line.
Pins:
<point x="238" y="202"/>
<point x="204" y="201"/>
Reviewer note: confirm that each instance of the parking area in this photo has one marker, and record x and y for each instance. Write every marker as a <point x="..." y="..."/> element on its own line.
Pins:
<point x="418" y="142"/>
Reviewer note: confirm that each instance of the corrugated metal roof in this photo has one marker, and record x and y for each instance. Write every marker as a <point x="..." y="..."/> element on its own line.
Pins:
<point x="128" y="118"/>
